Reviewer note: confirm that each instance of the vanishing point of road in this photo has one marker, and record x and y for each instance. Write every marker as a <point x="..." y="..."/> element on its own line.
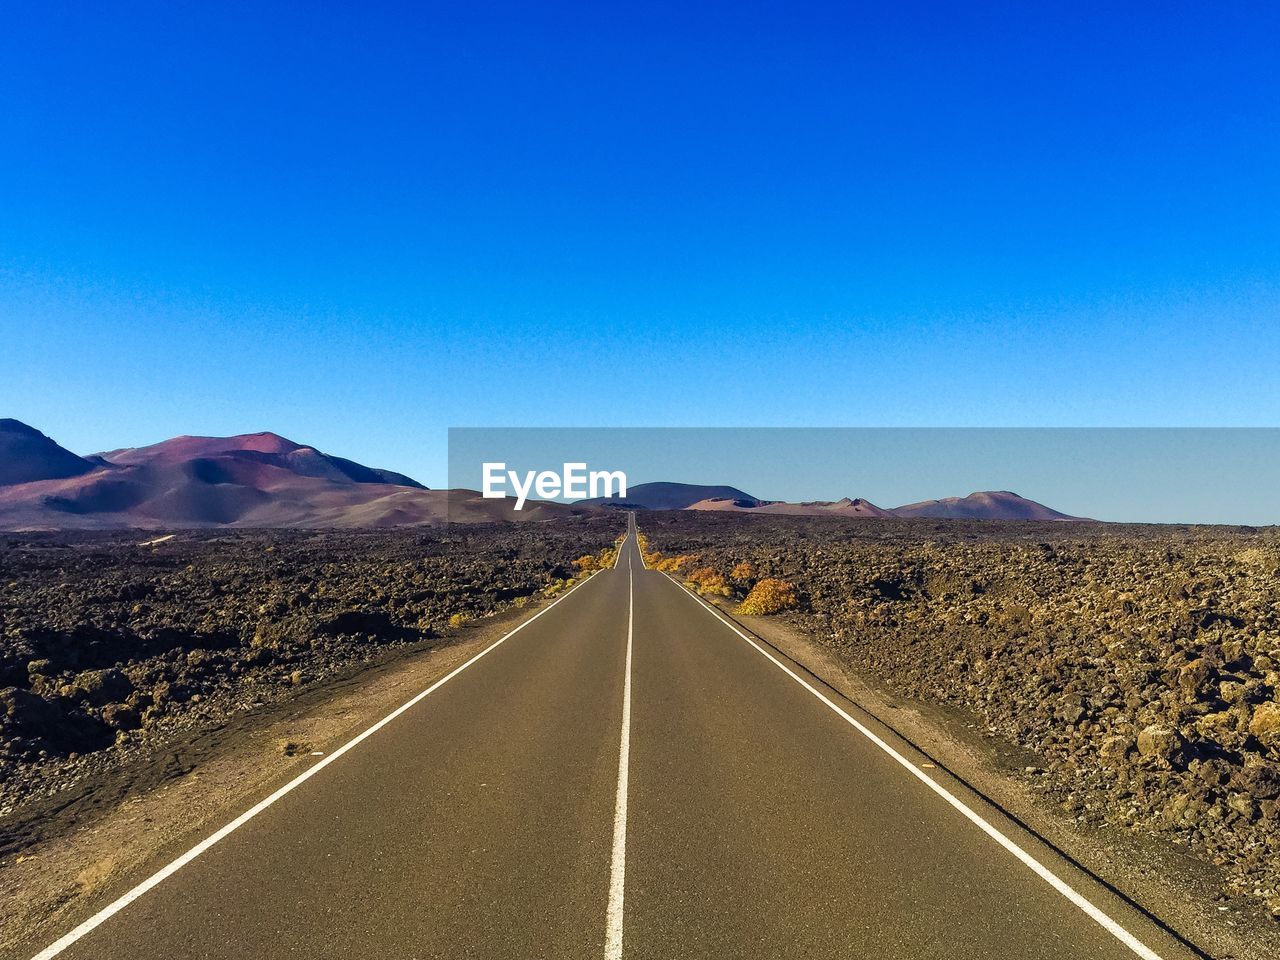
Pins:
<point x="625" y="774"/>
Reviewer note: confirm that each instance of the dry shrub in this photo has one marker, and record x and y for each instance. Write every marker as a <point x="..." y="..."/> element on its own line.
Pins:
<point x="558" y="586"/>
<point x="768" y="596"/>
<point x="744" y="571"/>
<point x="651" y="558"/>
<point x="672" y="564"/>
<point x="707" y="582"/>
<point x="590" y="562"/>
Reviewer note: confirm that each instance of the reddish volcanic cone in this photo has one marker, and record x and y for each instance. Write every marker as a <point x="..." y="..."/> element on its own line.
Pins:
<point x="984" y="505"/>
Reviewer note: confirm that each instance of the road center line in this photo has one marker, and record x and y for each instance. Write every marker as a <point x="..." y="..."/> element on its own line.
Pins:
<point x="107" y="912"/>
<point x="1044" y="873"/>
<point x="618" y="865"/>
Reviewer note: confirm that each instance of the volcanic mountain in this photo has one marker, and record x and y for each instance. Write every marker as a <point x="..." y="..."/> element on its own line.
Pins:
<point x="266" y="480"/>
<point x="811" y="508"/>
<point x="984" y="505"/>
<point x="27" y="455"/>
<point x="251" y="480"/>
<point x="670" y="496"/>
<point x="264" y="449"/>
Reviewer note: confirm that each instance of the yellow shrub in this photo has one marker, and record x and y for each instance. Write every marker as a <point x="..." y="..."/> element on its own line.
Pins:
<point x="603" y="560"/>
<point x="715" y="586"/>
<point x="768" y="596"/>
<point x="458" y="619"/>
<point x="695" y="577"/>
<point x="672" y="564"/>
<point x="746" y="570"/>
<point x="651" y="558"/>
<point x="707" y="582"/>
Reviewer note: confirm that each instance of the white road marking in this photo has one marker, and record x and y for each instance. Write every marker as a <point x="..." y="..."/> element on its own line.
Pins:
<point x="618" y="866"/>
<point x="107" y="912"/>
<point x="635" y="531"/>
<point x="1044" y="873"/>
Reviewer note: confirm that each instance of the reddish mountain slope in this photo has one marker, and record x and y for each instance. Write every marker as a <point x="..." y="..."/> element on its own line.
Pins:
<point x="664" y="495"/>
<point x="984" y="505"/>
<point x="269" y="449"/>
<point x="813" y="508"/>
<point x="253" y="480"/>
<point x="266" y="480"/>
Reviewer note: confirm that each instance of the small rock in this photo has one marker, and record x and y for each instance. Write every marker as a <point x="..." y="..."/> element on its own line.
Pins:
<point x="119" y="716"/>
<point x="1265" y="724"/>
<point x="1158" y="742"/>
<point x="1242" y="804"/>
<point x="1115" y="749"/>
<point x="99" y="687"/>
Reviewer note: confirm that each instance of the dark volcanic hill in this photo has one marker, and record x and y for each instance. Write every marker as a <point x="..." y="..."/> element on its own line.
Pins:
<point x="671" y="496"/>
<point x="26" y="455"/>
<point x="984" y="505"/>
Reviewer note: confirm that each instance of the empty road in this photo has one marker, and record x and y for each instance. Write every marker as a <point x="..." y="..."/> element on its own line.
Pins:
<point x="624" y="775"/>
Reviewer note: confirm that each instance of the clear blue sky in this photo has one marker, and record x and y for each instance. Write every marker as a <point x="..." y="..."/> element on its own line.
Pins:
<point x="360" y="224"/>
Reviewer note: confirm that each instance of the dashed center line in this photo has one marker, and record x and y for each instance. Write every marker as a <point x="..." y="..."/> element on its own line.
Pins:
<point x="618" y="864"/>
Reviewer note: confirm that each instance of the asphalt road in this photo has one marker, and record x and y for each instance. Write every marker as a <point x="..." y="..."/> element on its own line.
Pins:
<point x="623" y="776"/>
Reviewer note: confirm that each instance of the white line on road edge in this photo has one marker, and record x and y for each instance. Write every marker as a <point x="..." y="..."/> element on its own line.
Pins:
<point x="636" y="530"/>
<point x="107" y="912"/>
<point x="1045" y="874"/>
<point x="618" y="866"/>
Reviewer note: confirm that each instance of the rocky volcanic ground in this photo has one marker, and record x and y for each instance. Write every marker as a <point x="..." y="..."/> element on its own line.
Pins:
<point x="108" y="647"/>
<point x="1142" y="663"/>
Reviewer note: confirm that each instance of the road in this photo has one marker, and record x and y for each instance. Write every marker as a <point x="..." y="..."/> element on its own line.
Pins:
<point x="624" y="775"/>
